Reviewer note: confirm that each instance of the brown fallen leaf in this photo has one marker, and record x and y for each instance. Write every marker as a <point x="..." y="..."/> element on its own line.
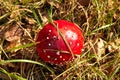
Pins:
<point x="14" y="33"/>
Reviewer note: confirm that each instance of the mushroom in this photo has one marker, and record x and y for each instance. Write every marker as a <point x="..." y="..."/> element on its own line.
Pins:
<point x="59" y="42"/>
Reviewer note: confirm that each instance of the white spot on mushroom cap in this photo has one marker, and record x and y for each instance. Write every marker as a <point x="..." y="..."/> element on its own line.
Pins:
<point x="60" y="56"/>
<point x="78" y="44"/>
<point x="63" y="59"/>
<point x="61" y="63"/>
<point x="48" y="56"/>
<point x="49" y="44"/>
<point x="44" y="51"/>
<point x="54" y="36"/>
<point x="58" y="53"/>
<point x="50" y="30"/>
<point x="55" y="59"/>
<point x="47" y="37"/>
<point x="72" y="35"/>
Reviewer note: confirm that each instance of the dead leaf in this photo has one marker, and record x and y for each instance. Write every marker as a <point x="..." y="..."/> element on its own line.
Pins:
<point x="114" y="46"/>
<point x="14" y="33"/>
<point x="100" y="47"/>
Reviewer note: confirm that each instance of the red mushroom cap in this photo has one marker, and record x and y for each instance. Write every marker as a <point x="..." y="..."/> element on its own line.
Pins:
<point x="59" y="43"/>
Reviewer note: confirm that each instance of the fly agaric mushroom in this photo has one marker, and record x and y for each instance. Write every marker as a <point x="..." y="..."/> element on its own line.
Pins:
<point x="59" y="42"/>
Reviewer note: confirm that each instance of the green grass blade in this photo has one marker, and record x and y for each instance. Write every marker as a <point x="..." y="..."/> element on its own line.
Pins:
<point x="11" y="75"/>
<point x="103" y="27"/>
<point x="50" y="14"/>
<point x="22" y="46"/>
<point x="36" y="17"/>
<point x="5" y="72"/>
<point x="113" y="73"/>
<point x="27" y="61"/>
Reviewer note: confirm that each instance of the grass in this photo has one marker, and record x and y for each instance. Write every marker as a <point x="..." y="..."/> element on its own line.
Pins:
<point x="99" y="21"/>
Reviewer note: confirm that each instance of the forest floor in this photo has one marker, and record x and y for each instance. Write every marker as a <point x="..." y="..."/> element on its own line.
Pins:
<point x="21" y="20"/>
